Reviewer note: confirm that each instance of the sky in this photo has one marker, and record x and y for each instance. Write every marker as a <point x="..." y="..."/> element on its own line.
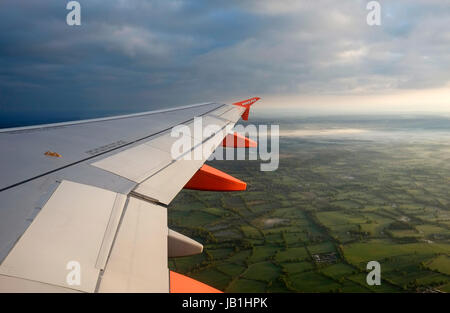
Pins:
<point x="136" y="55"/>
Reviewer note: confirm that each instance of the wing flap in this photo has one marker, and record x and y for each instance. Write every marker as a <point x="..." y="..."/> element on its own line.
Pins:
<point x="167" y="183"/>
<point x="138" y="261"/>
<point x="70" y="228"/>
<point x="137" y="163"/>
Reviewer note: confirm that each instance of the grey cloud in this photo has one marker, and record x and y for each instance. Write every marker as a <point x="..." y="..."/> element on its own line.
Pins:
<point x="136" y="55"/>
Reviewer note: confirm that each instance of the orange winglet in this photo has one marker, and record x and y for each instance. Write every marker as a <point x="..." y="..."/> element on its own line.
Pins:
<point x="246" y="104"/>
<point x="236" y="140"/>
<point x="183" y="284"/>
<point x="210" y="179"/>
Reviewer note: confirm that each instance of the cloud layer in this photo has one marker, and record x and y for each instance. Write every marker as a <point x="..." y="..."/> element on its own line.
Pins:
<point x="132" y="55"/>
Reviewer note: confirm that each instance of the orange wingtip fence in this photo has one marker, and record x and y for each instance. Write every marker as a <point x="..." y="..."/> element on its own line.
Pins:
<point x="210" y="179"/>
<point x="246" y="104"/>
<point x="183" y="284"/>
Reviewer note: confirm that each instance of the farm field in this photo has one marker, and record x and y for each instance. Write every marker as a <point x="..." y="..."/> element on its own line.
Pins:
<point x="334" y="204"/>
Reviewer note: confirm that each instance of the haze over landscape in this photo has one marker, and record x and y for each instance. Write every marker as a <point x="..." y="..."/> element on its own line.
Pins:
<point x="348" y="190"/>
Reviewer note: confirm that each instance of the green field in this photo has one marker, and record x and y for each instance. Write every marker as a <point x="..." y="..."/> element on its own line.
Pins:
<point x="332" y="206"/>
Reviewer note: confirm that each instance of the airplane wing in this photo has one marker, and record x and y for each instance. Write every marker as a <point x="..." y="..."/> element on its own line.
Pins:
<point x="83" y="204"/>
